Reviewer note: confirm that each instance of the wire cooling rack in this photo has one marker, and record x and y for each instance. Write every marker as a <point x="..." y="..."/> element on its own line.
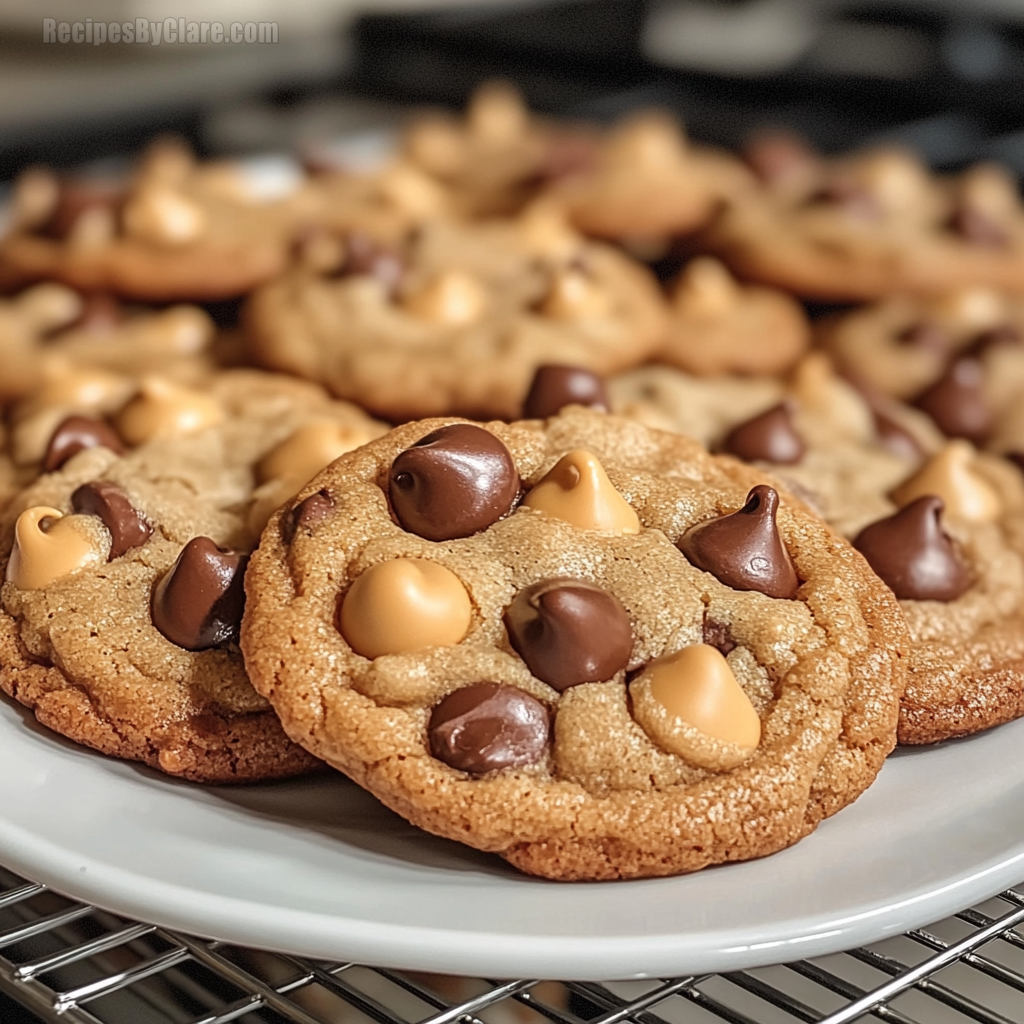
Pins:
<point x="70" y="962"/>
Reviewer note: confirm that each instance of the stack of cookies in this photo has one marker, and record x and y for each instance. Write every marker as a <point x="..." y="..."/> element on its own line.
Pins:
<point x="522" y="489"/>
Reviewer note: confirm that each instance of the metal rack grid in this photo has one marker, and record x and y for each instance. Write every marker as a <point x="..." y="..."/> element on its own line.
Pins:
<point x="70" y="962"/>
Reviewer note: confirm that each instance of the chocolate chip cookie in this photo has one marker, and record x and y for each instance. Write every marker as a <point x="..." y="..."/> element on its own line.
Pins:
<point x="582" y="644"/>
<point x="873" y="224"/>
<point x="124" y="563"/>
<point x="459" y="320"/>
<point x="175" y="230"/>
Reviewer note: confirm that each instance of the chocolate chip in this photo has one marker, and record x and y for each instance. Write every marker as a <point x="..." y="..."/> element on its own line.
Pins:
<point x="895" y="437"/>
<point x="556" y="385"/>
<point x="75" y="434"/>
<point x="198" y="603"/>
<point x="128" y="527"/>
<point x="366" y="257"/>
<point x="306" y="515"/>
<point x="569" y="631"/>
<point x="488" y="726"/>
<point x="913" y="555"/>
<point x="779" y="156"/>
<point x="454" y="482"/>
<point x="996" y="337"/>
<point x="769" y="437"/>
<point x="743" y="550"/>
<point x="851" y="197"/>
<point x="1017" y="458"/>
<point x="101" y="312"/>
<point x="78" y="196"/>
<point x="978" y="228"/>
<point x="925" y="334"/>
<point x="718" y="635"/>
<point x="956" y="401"/>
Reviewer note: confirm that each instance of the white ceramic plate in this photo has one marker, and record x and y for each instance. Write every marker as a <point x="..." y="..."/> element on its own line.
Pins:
<point x="318" y="867"/>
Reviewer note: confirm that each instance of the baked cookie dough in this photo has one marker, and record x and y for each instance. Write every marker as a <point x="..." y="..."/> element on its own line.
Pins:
<point x="123" y="595"/>
<point x="959" y="357"/>
<point x="175" y="230"/>
<point x="874" y="224"/>
<point x="495" y="629"/>
<point x="719" y="326"/>
<point x="458" y="320"/>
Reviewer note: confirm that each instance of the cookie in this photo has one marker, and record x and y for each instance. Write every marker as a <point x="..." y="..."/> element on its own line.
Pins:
<point x="458" y="321"/>
<point x="493" y="161"/>
<point x="175" y="230"/>
<point x="49" y="326"/>
<point x="123" y="593"/>
<point x="527" y="680"/>
<point x="874" y="224"/>
<point x="940" y="523"/>
<point x="647" y="184"/>
<point x="719" y="326"/>
<point x="959" y="357"/>
<point x="814" y="431"/>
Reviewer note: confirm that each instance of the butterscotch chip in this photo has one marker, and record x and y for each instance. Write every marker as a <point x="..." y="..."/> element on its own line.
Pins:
<point x="568" y="779"/>
<point x="476" y="313"/>
<point x="120" y="614"/>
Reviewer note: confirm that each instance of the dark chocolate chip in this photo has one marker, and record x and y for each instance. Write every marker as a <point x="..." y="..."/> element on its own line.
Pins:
<point x="306" y="515"/>
<point x="569" y="631"/>
<point x="925" y="334"/>
<point x="76" y="196"/>
<point x="1017" y="458"/>
<point x="719" y="636"/>
<point x="555" y="385"/>
<point x="769" y="437"/>
<point x="779" y="156"/>
<point x="978" y="228"/>
<point x="956" y="401"/>
<point x="996" y="337"/>
<point x="913" y="555"/>
<point x="101" y="312"/>
<point x="128" y="527"/>
<point x="454" y="482"/>
<point x="198" y="603"/>
<point x="743" y="549"/>
<point x="366" y="257"/>
<point x="895" y="437"/>
<point x="488" y="726"/>
<point x="75" y="434"/>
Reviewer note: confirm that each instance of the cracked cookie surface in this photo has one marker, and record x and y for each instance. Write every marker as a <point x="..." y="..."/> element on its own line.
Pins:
<point x="598" y="797"/>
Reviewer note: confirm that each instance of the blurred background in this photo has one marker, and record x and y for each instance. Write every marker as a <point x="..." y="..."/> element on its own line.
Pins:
<point x="944" y="75"/>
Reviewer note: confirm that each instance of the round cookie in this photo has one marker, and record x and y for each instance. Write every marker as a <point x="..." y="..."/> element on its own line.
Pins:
<point x="123" y="593"/>
<point x="752" y="717"/>
<point x="719" y="326"/>
<point x="959" y="357"/>
<point x="49" y="327"/>
<point x="646" y="184"/>
<point x="175" y="230"/>
<point x="873" y="224"/>
<point x="956" y="567"/>
<point x="473" y="311"/>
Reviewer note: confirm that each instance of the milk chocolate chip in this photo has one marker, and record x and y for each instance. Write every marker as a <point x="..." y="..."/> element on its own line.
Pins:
<point x="489" y="726"/>
<point x="364" y="256"/>
<point x="769" y="437"/>
<point x="306" y="515"/>
<point x="956" y="401"/>
<point x="913" y="555"/>
<point x="924" y="334"/>
<point x="454" y="482"/>
<point x="896" y="438"/>
<point x="198" y="603"/>
<point x="75" y="434"/>
<point x="743" y="550"/>
<point x="569" y="631"/>
<point x="556" y="385"/>
<point x="978" y="228"/>
<point x="128" y="527"/>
